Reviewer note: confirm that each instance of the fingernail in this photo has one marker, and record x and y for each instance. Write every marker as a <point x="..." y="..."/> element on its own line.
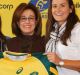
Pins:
<point x="44" y="53"/>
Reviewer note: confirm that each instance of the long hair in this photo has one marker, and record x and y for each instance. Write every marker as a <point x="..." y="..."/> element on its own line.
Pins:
<point x="2" y="38"/>
<point x="17" y="15"/>
<point x="71" y="21"/>
<point x="1" y="34"/>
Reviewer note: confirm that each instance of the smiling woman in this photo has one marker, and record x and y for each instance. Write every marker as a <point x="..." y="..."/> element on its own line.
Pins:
<point x="27" y="22"/>
<point x="62" y="26"/>
<point x="2" y="39"/>
<point x="27" y="26"/>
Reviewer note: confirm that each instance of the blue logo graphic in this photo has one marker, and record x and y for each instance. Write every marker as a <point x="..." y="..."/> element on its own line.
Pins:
<point x="41" y="4"/>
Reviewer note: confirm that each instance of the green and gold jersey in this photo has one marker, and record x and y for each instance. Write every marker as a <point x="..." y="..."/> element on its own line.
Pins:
<point x="34" y="64"/>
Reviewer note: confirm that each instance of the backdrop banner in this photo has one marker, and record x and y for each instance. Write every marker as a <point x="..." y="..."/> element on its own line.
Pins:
<point x="7" y="8"/>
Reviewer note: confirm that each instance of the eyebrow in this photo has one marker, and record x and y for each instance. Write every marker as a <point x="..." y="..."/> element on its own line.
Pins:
<point x="56" y="4"/>
<point x="28" y="16"/>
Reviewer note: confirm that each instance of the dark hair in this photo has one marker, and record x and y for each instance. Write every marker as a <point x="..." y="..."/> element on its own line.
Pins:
<point x="71" y="21"/>
<point x="1" y="34"/>
<point x="0" y="23"/>
<point x="17" y="15"/>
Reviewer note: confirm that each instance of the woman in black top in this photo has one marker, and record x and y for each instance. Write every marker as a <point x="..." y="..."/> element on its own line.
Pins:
<point x="26" y="25"/>
<point x="2" y="39"/>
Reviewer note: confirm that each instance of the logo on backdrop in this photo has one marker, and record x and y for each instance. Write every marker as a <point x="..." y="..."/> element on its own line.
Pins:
<point x="42" y="5"/>
<point x="77" y="4"/>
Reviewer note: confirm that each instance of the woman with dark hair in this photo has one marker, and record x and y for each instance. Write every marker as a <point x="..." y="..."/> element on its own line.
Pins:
<point x="26" y="25"/>
<point x="63" y="37"/>
<point x="2" y="39"/>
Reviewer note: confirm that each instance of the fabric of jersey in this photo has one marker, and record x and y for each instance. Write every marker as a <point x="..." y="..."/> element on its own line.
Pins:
<point x="36" y="64"/>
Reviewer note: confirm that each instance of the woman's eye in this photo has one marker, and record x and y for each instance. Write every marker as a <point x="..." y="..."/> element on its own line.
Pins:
<point x="63" y="5"/>
<point x="54" y="6"/>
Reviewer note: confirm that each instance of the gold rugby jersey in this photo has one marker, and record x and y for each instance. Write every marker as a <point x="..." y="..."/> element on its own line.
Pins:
<point x="35" y="64"/>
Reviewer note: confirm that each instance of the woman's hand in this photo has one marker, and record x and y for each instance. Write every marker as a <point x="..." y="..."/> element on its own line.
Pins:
<point x="70" y="64"/>
<point x="53" y="57"/>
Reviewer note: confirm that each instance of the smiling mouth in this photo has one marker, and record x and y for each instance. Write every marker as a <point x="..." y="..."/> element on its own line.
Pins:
<point x="27" y="26"/>
<point x="59" y="14"/>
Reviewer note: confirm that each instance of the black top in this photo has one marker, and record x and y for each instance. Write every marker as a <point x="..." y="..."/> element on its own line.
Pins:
<point x="26" y="44"/>
<point x="3" y="43"/>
